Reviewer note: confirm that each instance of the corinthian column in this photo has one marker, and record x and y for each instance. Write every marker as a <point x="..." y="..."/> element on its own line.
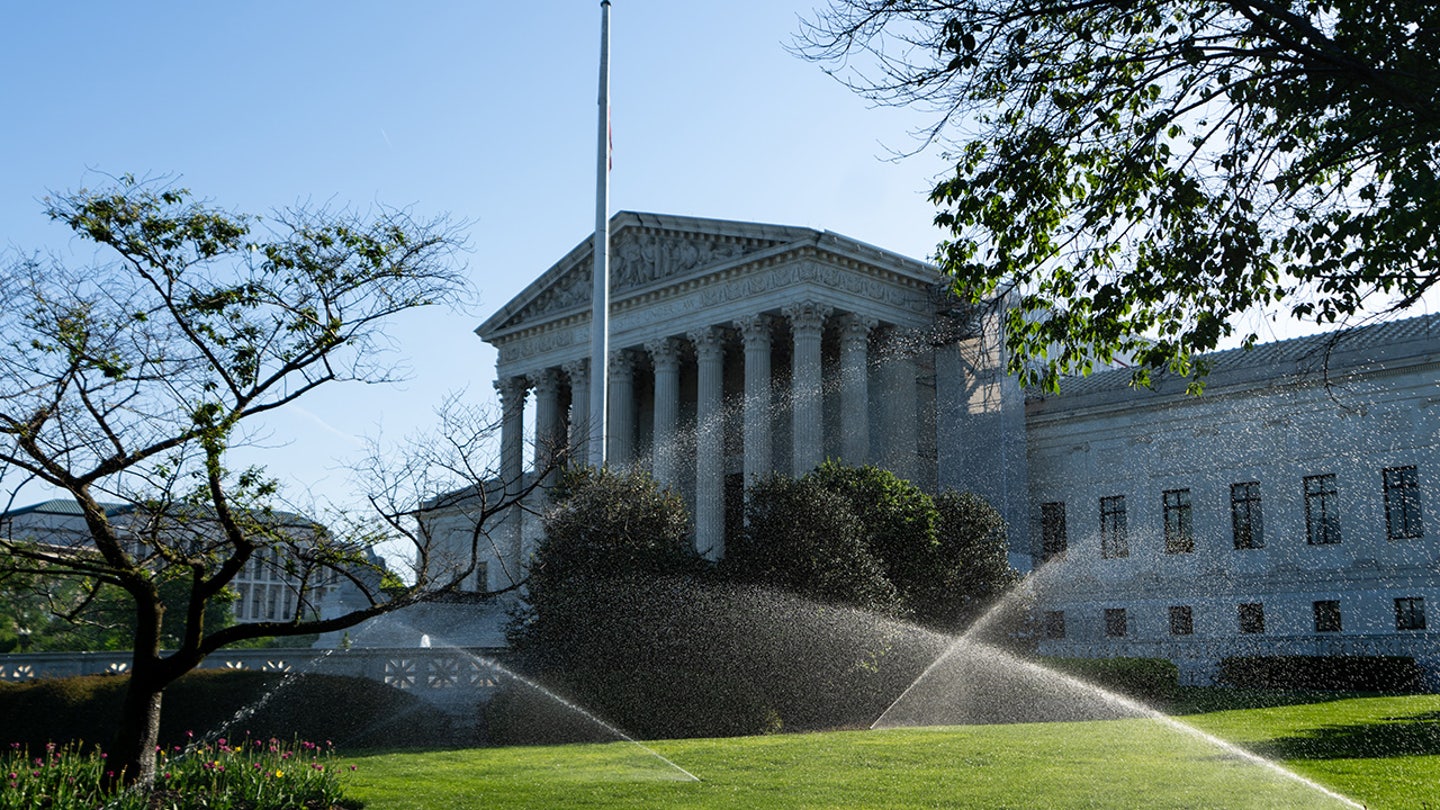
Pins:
<point x="622" y="409"/>
<point x="579" y="373"/>
<point x="807" y="320"/>
<point x="901" y="411"/>
<point x="755" y="330"/>
<point x="855" y="388"/>
<point x="709" y="443"/>
<point x="665" y="355"/>
<point x="549" y="438"/>
<point x="512" y="427"/>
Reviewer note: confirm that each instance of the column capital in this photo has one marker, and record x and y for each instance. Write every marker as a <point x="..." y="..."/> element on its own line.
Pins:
<point x="709" y="342"/>
<point x="807" y="316"/>
<point x="546" y="381"/>
<point x="665" y="352"/>
<point x="512" y="390"/>
<point x="577" y="370"/>
<point x="622" y="363"/>
<point x="856" y="327"/>
<point x="755" y="328"/>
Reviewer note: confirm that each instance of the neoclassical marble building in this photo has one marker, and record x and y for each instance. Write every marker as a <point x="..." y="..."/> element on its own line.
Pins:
<point x="738" y="349"/>
<point x="1288" y="510"/>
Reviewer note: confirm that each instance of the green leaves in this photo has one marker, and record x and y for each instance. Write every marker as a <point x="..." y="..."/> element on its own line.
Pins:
<point x="1150" y="171"/>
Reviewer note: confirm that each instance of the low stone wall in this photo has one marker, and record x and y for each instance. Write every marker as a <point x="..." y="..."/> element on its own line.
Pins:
<point x="455" y="680"/>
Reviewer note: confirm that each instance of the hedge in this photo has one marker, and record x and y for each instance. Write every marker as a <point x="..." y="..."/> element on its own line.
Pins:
<point x="352" y="712"/>
<point x="1147" y="679"/>
<point x="1322" y="672"/>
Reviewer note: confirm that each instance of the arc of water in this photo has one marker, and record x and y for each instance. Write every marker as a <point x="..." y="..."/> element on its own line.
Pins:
<point x="575" y="707"/>
<point x="1135" y="706"/>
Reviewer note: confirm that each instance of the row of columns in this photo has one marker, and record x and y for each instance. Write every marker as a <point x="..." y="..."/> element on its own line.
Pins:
<point x="807" y="321"/>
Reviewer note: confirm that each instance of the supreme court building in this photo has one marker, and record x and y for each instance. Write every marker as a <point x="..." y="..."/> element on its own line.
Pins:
<point x="1287" y="510"/>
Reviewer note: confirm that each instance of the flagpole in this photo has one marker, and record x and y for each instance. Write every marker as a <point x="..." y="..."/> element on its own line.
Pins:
<point x="600" y="312"/>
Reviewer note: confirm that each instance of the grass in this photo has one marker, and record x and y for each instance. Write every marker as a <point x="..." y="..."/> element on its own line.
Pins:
<point x="1383" y="752"/>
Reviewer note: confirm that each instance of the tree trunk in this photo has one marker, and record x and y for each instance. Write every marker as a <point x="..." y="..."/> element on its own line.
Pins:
<point x="132" y="755"/>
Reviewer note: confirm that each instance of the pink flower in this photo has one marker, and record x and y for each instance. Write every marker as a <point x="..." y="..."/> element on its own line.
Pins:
<point x="221" y="741"/>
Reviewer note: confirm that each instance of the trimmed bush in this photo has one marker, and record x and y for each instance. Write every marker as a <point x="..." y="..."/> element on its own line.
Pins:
<point x="1145" y="679"/>
<point x="973" y="569"/>
<point x="899" y="520"/>
<point x="354" y="712"/>
<point x="805" y="539"/>
<point x="1323" y="672"/>
<point x="636" y="702"/>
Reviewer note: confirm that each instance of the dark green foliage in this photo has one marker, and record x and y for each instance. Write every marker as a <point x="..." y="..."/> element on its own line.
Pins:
<point x="795" y="629"/>
<point x="1149" y="680"/>
<point x="353" y="712"/>
<point x="1317" y="672"/>
<point x="104" y="622"/>
<point x="899" y="521"/>
<point x="606" y="526"/>
<point x="973" y="569"/>
<point x="804" y="538"/>
<point x="1138" y="177"/>
<point x="642" y="703"/>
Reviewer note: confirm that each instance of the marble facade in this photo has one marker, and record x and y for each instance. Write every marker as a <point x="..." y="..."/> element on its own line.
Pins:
<point x="740" y="349"/>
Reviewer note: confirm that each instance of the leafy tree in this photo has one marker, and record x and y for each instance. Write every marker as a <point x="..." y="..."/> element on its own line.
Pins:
<point x="1132" y="176"/>
<point x="610" y="535"/>
<point x="46" y="613"/>
<point x="976" y="566"/>
<point x="898" y="519"/>
<point x="130" y="381"/>
<point x="806" y="539"/>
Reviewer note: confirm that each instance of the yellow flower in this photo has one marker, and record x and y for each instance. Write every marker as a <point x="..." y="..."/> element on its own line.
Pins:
<point x="279" y="774"/>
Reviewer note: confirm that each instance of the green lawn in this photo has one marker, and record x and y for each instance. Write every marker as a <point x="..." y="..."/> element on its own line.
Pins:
<point x="1383" y="752"/>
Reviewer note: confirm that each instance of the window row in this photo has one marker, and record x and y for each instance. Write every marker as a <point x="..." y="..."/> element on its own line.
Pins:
<point x="1401" y="486"/>
<point x="1409" y="615"/>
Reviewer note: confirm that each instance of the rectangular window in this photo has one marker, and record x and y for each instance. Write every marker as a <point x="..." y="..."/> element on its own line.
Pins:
<point x="1054" y="624"/>
<point x="1402" y="504"/>
<point x="1410" y="613"/>
<point x="1327" y="616"/>
<point x="1182" y="620"/>
<point x="1115" y="622"/>
<point x="1052" y="531"/>
<point x="1179" y="535"/>
<point x="482" y="577"/>
<point x="1322" y="510"/>
<point x="1245" y="515"/>
<point x="1114" y="540"/>
<point x="1252" y="618"/>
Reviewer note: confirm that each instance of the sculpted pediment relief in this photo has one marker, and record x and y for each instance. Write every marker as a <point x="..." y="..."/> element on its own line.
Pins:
<point x="638" y="258"/>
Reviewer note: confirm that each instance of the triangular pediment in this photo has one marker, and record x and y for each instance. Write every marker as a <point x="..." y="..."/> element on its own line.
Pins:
<point x="646" y="250"/>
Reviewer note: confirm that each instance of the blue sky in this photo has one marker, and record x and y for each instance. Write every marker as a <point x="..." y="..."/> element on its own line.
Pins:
<point x="484" y="110"/>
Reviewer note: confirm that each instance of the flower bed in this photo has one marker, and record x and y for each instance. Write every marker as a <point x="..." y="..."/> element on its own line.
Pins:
<point x="248" y="774"/>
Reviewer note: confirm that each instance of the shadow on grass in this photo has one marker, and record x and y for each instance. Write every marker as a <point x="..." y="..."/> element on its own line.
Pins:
<point x="1411" y="735"/>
